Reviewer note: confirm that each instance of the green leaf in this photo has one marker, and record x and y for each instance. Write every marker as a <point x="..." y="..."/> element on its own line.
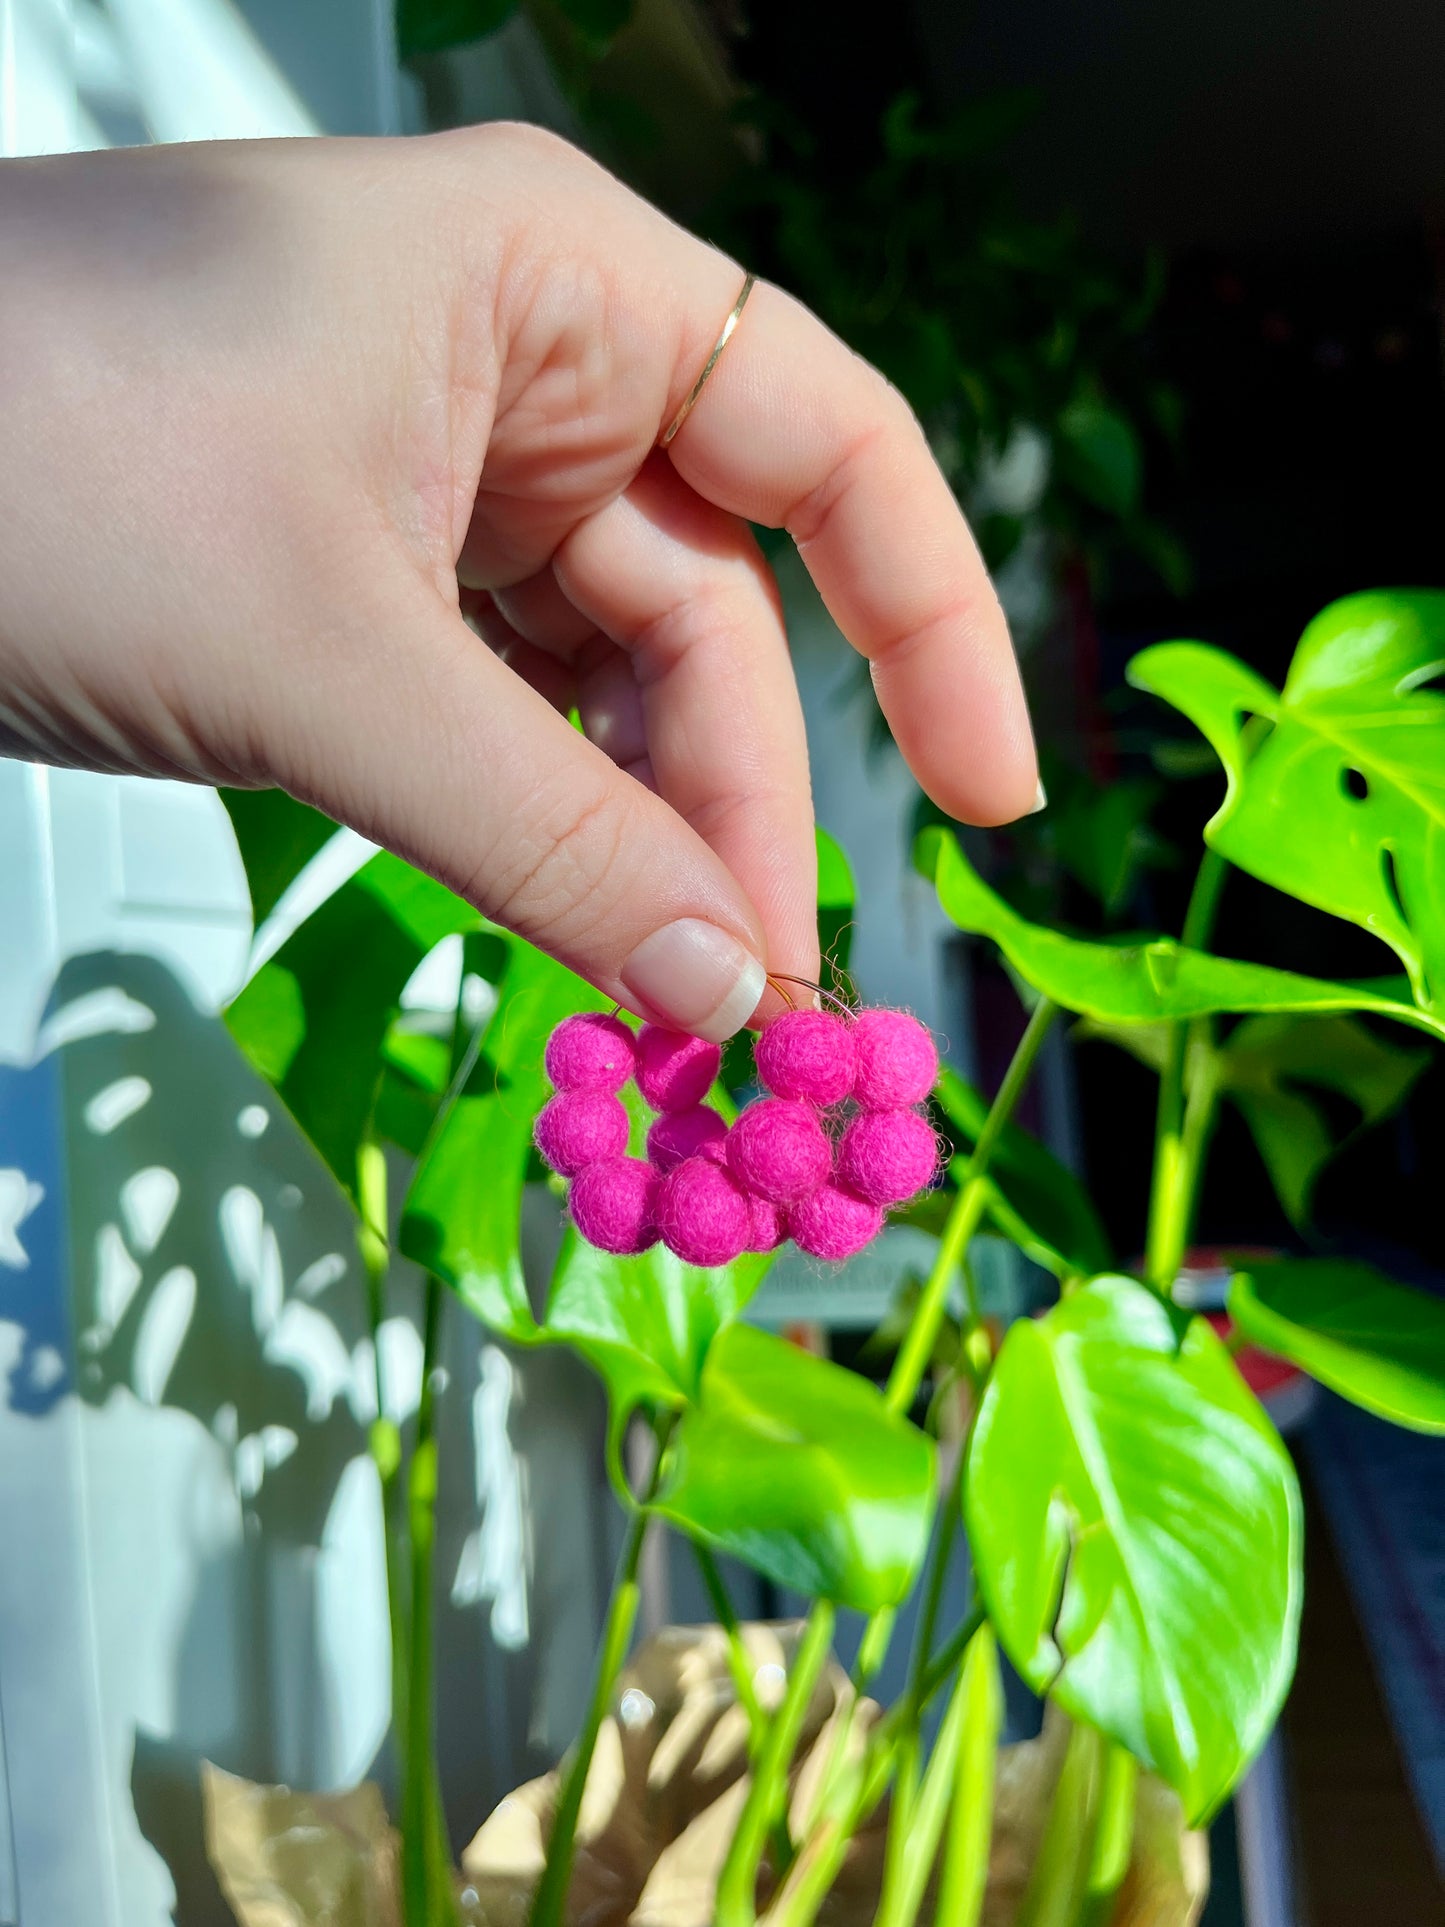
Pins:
<point x="277" y="837"/>
<point x="1099" y="453"/>
<point x="798" y="1467"/>
<point x="1135" y="1523"/>
<point x="1274" y="1069"/>
<point x="1035" y="1201"/>
<point x="1343" y="803"/>
<point x="462" y="1215"/>
<point x="1149" y="980"/>
<point x="432" y="26"/>
<point x="1376" y="1343"/>
<point x="652" y="1318"/>
<point x="314" y="1017"/>
<point x="837" y="896"/>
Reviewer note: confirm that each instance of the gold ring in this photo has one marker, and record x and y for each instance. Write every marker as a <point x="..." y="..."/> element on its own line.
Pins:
<point x="722" y="341"/>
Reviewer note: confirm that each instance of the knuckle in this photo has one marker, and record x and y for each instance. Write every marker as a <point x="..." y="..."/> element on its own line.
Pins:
<point x="564" y="870"/>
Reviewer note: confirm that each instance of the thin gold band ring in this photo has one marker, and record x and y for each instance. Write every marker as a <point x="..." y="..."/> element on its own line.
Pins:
<point x="712" y="361"/>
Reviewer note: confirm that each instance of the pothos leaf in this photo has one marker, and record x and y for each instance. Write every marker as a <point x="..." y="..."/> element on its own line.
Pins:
<point x="1136" y="1530"/>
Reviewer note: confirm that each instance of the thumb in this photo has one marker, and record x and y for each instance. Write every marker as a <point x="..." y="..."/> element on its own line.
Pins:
<point x="441" y="753"/>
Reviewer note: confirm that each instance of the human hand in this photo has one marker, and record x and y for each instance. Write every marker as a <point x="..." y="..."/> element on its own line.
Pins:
<point x="281" y="417"/>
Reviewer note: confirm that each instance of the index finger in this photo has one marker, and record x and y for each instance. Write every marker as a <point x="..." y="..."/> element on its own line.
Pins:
<point x="795" y="431"/>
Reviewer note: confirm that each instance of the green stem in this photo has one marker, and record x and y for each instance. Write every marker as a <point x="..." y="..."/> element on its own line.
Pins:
<point x="384" y="1436"/>
<point x="1178" y="1150"/>
<point x="964" y="1217"/>
<point x="737" y="1883"/>
<point x="426" y="1852"/>
<point x="1114" y="1834"/>
<point x="906" y="1873"/>
<point x="970" y="1829"/>
<point x="741" y="1668"/>
<point x="1058" y="1884"/>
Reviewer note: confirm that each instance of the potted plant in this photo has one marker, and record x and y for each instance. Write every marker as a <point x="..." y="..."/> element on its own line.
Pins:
<point x="1132" y="1517"/>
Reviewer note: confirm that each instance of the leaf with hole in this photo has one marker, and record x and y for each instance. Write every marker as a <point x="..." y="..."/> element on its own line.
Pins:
<point x="797" y="1466"/>
<point x="1343" y="802"/>
<point x="1135" y="1525"/>
<point x="1148" y="980"/>
<point x="1377" y="1343"/>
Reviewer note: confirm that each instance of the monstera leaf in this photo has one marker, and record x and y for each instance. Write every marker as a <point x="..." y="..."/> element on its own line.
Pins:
<point x="1376" y="1343"/>
<point x="1149" y="980"/>
<point x="1135" y="1525"/>
<point x="1343" y="802"/>
<point x="798" y="1466"/>
<point x="1276" y="1070"/>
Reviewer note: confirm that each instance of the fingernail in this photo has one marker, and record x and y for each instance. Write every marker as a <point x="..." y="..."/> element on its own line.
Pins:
<point x="697" y="977"/>
<point x="1041" y="800"/>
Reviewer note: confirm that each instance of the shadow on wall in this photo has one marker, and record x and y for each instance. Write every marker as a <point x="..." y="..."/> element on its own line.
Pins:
<point x="186" y="1382"/>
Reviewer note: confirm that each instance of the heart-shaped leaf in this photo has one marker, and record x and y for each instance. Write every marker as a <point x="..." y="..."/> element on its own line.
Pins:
<point x="1151" y="980"/>
<point x="1135" y="1524"/>
<point x="798" y="1467"/>
<point x="1343" y="803"/>
<point x="277" y="838"/>
<point x="1376" y="1343"/>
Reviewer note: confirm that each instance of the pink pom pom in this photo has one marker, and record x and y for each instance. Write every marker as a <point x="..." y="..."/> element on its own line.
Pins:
<point x="578" y="1128"/>
<point x="779" y="1150"/>
<point x="767" y="1225"/>
<point x="897" y="1061"/>
<point x="833" y="1224"/>
<point x="887" y="1156"/>
<point x="698" y="1133"/>
<point x="702" y="1214"/>
<point x="590" y="1053"/>
<point x="675" y="1071"/>
<point x="612" y="1206"/>
<point x="806" y="1054"/>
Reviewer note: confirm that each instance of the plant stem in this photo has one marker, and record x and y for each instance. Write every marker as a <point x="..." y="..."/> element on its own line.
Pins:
<point x="970" y="1830"/>
<point x="906" y="1873"/>
<point x="965" y="1216"/>
<point x="1114" y="1836"/>
<point x="737" y="1883"/>
<point x="551" y="1894"/>
<point x="384" y="1435"/>
<point x="1179" y="1141"/>
<point x="1058" y="1883"/>
<point x="741" y="1668"/>
<point x="426" y="1853"/>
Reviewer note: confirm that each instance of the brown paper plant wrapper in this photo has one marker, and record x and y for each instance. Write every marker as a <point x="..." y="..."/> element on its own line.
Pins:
<point x="666" y="1785"/>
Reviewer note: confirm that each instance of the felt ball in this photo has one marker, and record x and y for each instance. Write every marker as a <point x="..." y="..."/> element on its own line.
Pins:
<point x="675" y="1071"/>
<point x="612" y="1205"/>
<point x="897" y="1062"/>
<point x="590" y="1052"/>
<point x="578" y="1128"/>
<point x="778" y="1150"/>
<point x="702" y="1214"/>
<point x="806" y="1054"/>
<point x="833" y="1223"/>
<point x="767" y="1224"/>
<point x="887" y="1156"/>
<point x="675" y="1135"/>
